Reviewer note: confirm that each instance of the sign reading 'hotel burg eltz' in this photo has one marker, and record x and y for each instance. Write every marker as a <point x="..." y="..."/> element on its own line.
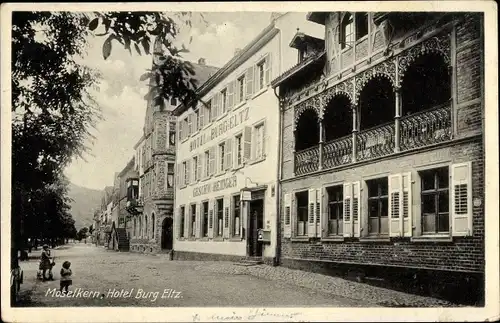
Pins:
<point x="237" y="118"/>
<point x="216" y="186"/>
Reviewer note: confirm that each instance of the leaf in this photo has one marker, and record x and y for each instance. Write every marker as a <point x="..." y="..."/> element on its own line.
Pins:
<point x="145" y="44"/>
<point x="190" y="39"/>
<point x="93" y="24"/>
<point x="137" y="49"/>
<point x="145" y="76"/>
<point x="106" y="47"/>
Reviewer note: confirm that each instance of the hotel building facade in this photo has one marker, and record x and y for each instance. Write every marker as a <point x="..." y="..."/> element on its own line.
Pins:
<point x="383" y="152"/>
<point x="228" y="150"/>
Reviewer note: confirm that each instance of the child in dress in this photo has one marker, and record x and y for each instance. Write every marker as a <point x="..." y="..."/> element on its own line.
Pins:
<point x="65" y="276"/>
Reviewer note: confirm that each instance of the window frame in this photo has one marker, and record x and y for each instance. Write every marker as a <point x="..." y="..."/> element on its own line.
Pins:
<point x="195" y="162"/>
<point x="379" y="198"/>
<point x="238" y="150"/>
<point x="224" y="103"/>
<point x="241" y="81"/>
<point x="206" y="165"/>
<point x="255" y="143"/>
<point x="436" y="192"/>
<point x="216" y="218"/>
<point x="233" y="216"/>
<point x="337" y="201"/>
<point x="349" y="16"/>
<point x="221" y="156"/>
<point x="204" y="211"/>
<point x="261" y="73"/>
<point x="192" y="231"/>
<point x="295" y="207"/>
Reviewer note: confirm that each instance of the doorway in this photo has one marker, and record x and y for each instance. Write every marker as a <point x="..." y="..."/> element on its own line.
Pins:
<point x="256" y="221"/>
<point x="167" y="236"/>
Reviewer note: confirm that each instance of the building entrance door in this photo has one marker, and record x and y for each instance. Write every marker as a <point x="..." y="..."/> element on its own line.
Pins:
<point x="167" y="234"/>
<point x="256" y="221"/>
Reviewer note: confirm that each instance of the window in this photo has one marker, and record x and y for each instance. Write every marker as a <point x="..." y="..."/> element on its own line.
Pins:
<point x="222" y="151"/>
<point x="261" y="75"/>
<point x="171" y="134"/>
<point x="378" y="200"/>
<point x="259" y="141"/>
<point x="153" y="225"/>
<point x="184" y="173"/>
<point x="335" y="210"/>
<point x="236" y="215"/>
<point x="347" y="31"/>
<point x="435" y="201"/>
<point x="205" y="219"/>
<point x="135" y="227"/>
<point x="196" y="124"/>
<point x="195" y="168"/>
<point x="193" y="220"/>
<point x="170" y="175"/>
<point x="302" y="207"/>
<point x="239" y="150"/>
<point x="185" y="128"/>
<point x="146" y="233"/>
<point x="181" y="223"/>
<point x="223" y="95"/>
<point x="361" y="24"/>
<point x="241" y="89"/>
<point x="208" y="112"/>
<point x="207" y="163"/>
<point x="220" y="217"/>
<point x="173" y="101"/>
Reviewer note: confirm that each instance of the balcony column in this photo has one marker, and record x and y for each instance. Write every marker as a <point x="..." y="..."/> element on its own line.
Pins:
<point x="293" y="151"/>
<point x="354" y="133"/>
<point x="321" y="133"/>
<point x="397" y="117"/>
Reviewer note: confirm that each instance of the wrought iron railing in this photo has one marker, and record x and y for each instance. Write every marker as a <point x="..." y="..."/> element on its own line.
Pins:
<point x="426" y="127"/>
<point x="376" y="142"/>
<point x="307" y="160"/>
<point x="337" y="152"/>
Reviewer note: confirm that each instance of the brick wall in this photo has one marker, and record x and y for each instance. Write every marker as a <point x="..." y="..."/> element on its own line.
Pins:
<point x="463" y="254"/>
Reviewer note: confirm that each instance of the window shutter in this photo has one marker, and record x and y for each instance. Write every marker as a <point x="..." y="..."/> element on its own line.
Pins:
<point x="212" y="160"/>
<point x="210" y="220"/>
<point x="195" y="122"/>
<point x="200" y="166"/>
<point x="319" y="212"/>
<point x="177" y="221"/>
<point x="201" y="116"/>
<point x="230" y="95"/>
<point x="347" y="210"/>
<point x="356" y="208"/>
<point x="237" y="98"/>
<point x="188" y="171"/>
<point x="249" y="78"/>
<point x="407" y="206"/>
<point x="461" y="199"/>
<point x="268" y="68"/>
<point x="287" y="213"/>
<point x="181" y="131"/>
<point x="187" y="225"/>
<point x="395" y="192"/>
<point x="190" y="124"/>
<point x="226" y="217"/>
<point x="197" y="226"/>
<point x="177" y="176"/>
<point x="264" y="140"/>
<point x="229" y="153"/>
<point x="247" y="143"/>
<point x="311" y="213"/>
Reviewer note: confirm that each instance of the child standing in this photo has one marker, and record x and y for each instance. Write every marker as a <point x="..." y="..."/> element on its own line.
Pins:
<point x="66" y="276"/>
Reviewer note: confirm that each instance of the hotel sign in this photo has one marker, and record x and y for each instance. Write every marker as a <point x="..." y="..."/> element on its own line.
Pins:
<point x="219" y="129"/>
<point x="216" y="186"/>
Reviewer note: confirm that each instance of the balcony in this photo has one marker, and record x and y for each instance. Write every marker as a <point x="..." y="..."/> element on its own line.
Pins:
<point x="135" y="206"/>
<point x="415" y="131"/>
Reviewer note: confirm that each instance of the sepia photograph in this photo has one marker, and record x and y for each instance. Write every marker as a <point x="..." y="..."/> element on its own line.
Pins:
<point x="249" y="161"/>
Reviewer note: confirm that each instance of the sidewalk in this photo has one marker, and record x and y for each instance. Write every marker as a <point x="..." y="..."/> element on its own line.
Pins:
<point x="375" y="296"/>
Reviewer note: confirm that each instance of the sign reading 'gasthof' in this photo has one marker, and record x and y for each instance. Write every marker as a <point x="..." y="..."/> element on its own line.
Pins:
<point x="219" y="129"/>
<point x="215" y="186"/>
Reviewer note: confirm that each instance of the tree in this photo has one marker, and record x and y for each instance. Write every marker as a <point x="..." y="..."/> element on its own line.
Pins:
<point x="82" y="233"/>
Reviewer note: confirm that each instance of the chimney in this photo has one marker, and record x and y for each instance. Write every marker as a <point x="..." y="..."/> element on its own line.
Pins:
<point x="201" y="61"/>
<point x="237" y="51"/>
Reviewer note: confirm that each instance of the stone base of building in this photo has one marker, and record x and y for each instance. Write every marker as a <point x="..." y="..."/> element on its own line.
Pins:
<point x="200" y="256"/>
<point x="144" y="246"/>
<point x="457" y="287"/>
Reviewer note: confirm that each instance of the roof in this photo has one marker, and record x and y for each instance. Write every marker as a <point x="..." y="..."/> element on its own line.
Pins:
<point x="251" y="48"/>
<point x="300" y="40"/>
<point x="127" y="167"/>
<point x="297" y="68"/>
<point x="317" y="17"/>
<point x="203" y="72"/>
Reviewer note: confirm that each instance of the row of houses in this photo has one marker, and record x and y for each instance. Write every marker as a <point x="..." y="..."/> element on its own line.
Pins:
<point x="338" y="142"/>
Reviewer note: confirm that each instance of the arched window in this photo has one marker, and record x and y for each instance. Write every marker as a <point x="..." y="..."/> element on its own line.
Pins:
<point x="376" y="103"/>
<point x="146" y="233"/>
<point x="347" y="31"/>
<point x="153" y="225"/>
<point x="307" y="130"/>
<point x="337" y="120"/>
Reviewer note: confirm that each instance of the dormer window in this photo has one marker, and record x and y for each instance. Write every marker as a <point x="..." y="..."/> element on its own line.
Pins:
<point x="347" y="30"/>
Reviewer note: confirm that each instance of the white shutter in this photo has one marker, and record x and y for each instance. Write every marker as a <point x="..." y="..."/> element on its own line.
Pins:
<point x="311" y="216"/>
<point x="198" y="220"/>
<point x="226" y="216"/>
<point x="195" y="122"/>
<point x="188" y="171"/>
<point x="190" y="124"/>
<point x="177" y="176"/>
<point x="212" y="153"/>
<point x="356" y="208"/>
<point x="187" y="225"/>
<point x="247" y="143"/>
<point x="181" y="130"/>
<point x="201" y="116"/>
<point x="287" y="216"/>
<point x="210" y="220"/>
<point x="395" y="199"/>
<point x="347" y="210"/>
<point x="319" y="212"/>
<point x="177" y="221"/>
<point x="249" y="78"/>
<point x="407" y="206"/>
<point x="229" y="154"/>
<point x="200" y="166"/>
<point x="461" y="199"/>
<point x="268" y="70"/>
<point x="230" y="95"/>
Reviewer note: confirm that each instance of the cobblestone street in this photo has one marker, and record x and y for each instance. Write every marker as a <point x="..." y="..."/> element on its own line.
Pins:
<point x="193" y="283"/>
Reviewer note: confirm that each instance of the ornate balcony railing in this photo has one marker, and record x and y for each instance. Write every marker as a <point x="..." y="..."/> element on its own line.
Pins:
<point x="426" y="128"/>
<point x="307" y="161"/>
<point x="337" y="152"/>
<point x="376" y="142"/>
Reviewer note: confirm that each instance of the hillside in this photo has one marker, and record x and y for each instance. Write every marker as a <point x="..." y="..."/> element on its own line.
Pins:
<point x="85" y="200"/>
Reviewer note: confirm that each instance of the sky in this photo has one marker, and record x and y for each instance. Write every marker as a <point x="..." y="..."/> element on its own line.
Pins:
<point x="121" y="93"/>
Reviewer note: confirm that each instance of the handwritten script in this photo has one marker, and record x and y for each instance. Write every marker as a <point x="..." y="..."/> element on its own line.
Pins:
<point x="251" y="315"/>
